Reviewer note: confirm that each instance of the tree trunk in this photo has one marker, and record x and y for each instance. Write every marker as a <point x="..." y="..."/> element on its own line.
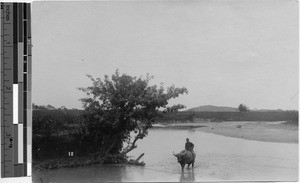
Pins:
<point x="140" y="157"/>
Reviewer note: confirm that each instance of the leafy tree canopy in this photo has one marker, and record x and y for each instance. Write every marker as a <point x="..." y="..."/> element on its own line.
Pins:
<point x="243" y="108"/>
<point x="120" y="104"/>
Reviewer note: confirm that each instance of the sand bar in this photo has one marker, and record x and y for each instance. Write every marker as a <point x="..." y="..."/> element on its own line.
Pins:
<point x="278" y="131"/>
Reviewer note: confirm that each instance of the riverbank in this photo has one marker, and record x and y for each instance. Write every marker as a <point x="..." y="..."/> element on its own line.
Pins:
<point x="281" y="131"/>
<point x="65" y="162"/>
<point x="72" y="162"/>
<point x="218" y="158"/>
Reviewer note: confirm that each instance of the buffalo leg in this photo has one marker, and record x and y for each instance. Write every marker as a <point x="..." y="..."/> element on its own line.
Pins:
<point x="182" y="166"/>
<point x="193" y="165"/>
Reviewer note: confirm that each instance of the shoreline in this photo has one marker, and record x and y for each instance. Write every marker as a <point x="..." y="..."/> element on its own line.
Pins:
<point x="75" y="162"/>
<point x="279" y="132"/>
<point x="266" y="131"/>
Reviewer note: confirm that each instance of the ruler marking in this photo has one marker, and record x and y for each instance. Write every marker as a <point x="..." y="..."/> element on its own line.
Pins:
<point x="25" y="40"/>
<point x="15" y="42"/>
<point x="20" y="13"/>
<point x="25" y="11"/>
<point x="5" y="172"/>
<point x="2" y="110"/>
<point x="15" y="127"/>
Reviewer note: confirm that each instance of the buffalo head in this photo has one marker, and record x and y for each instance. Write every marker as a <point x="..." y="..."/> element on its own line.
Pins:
<point x="180" y="156"/>
<point x="185" y="157"/>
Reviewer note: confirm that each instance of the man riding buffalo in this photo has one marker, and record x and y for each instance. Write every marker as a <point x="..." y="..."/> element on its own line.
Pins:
<point x="186" y="156"/>
<point x="189" y="146"/>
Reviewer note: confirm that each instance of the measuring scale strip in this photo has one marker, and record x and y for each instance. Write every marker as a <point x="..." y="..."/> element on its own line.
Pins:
<point x="16" y="113"/>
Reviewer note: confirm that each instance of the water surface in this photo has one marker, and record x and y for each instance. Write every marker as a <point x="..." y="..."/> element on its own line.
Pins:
<point x="218" y="158"/>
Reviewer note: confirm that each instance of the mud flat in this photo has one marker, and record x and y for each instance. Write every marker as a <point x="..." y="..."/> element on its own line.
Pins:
<point x="279" y="131"/>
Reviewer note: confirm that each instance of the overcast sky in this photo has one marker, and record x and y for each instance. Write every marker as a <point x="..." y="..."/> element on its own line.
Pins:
<point x="226" y="52"/>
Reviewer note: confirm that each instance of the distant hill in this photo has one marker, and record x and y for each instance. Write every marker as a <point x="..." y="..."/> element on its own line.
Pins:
<point x="211" y="108"/>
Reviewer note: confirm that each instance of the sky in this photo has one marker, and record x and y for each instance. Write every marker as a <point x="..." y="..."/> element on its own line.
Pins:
<point x="225" y="52"/>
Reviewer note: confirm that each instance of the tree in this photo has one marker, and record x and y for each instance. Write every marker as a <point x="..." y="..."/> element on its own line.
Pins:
<point x="50" y="107"/>
<point x="63" y="108"/>
<point x="42" y="107"/>
<point x="243" y="108"/>
<point x="122" y="104"/>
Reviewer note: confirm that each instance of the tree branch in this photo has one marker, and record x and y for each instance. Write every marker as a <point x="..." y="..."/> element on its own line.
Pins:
<point x="133" y="146"/>
<point x="107" y="151"/>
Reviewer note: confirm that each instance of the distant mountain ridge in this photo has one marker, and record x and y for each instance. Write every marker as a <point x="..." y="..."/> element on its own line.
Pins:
<point x="211" y="108"/>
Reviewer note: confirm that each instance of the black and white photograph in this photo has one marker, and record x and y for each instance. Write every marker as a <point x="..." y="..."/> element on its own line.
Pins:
<point x="165" y="91"/>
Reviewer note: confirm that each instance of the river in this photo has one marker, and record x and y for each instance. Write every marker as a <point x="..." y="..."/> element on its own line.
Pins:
<point x="218" y="158"/>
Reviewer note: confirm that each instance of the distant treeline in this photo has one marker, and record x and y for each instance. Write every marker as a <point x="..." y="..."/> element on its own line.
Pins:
<point x="290" y="116"/>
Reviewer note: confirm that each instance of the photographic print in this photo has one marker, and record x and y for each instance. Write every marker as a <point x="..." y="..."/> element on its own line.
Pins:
<point x="165" y="91"/>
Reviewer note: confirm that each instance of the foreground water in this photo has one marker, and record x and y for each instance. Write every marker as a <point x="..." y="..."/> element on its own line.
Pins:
<point x="218" y="158"/>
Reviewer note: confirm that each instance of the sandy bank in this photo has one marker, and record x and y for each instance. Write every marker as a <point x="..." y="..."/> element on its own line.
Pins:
<point x="260" y="131"/>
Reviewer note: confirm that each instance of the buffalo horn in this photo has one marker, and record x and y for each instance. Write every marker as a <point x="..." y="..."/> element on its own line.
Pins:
<point x="174" y="153"/>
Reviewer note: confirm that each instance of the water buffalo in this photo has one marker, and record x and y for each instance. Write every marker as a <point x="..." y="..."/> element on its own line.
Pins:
<point x="185" y="157"/>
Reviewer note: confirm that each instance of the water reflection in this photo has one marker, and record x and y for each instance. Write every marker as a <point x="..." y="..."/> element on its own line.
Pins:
<point x="187" y="176"/>
<point x="92" y="174"/>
